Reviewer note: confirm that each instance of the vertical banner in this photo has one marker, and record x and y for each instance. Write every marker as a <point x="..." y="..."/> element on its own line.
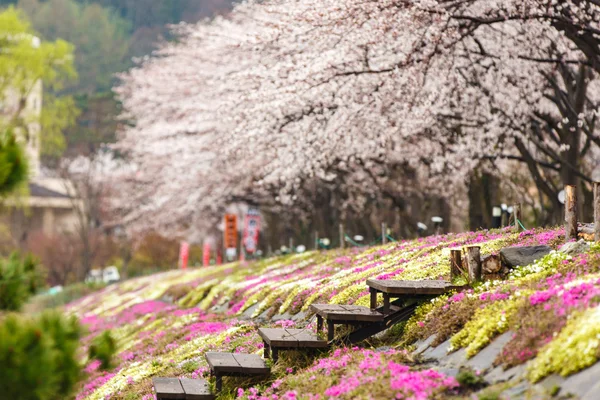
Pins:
<point x="251" y="231"/>
<point x="206" y="254"/>
<point x="230" y="236"/>
<point x="184" y="254"/>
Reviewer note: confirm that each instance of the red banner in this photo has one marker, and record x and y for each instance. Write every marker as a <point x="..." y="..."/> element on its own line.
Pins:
<point x="184" y="254"/>
<point x="206" y="254"/>
<point x="230" y="231"/>
<point x="251" y="231"/>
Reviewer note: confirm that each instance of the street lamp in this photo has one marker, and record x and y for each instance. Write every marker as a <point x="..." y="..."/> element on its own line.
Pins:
<point x="561" y="197"/>
<point x="421" y="228"/>
<point x="325" y="242"/>
<point x="437" y="224"/>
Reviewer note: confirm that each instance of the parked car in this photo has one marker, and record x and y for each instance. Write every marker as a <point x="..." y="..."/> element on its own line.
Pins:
<point x="106" y="275"/>
<point x="94" y="276"/>
<point x="111" y="274"/>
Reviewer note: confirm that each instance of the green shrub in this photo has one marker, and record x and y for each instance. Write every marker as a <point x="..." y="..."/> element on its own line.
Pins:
<point x="13" y="163"/>
<point x="470" y="380"/>
<point x="38" y="356"/>
<point x="191" y="366"/>
<point x="66" y="333"/>
<point x="19" y="279"/>
<point x="103" y="349"/>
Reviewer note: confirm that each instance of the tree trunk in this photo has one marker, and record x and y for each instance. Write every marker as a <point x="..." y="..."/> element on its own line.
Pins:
<point x="484" y="194"/>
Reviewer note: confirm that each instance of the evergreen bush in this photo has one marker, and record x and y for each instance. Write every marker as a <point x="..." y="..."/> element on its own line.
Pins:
<point x="13" y="163"/>
<point x="38" y="356"/>
<point x="103" y="349"/>
<point x="19" y="279"/>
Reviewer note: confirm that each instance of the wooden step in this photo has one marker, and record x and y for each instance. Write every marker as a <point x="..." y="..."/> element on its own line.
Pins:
<point x="344" y="313"/>
<point x="235" y="364"/>
<point x="196" y="389"/>
<point x="276" y="339"/>
<point x="425" y="287"/>
<point x="168" y="388"/>
<point x="398" y="314"/>
<point x="182" y="389"/>
<point x="394" y="308"/>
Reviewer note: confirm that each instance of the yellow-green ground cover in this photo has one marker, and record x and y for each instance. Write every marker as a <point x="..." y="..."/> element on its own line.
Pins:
<point x="211" y="309"/>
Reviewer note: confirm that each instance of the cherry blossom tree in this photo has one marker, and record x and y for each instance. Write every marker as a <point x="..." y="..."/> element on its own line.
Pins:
<point x="392" y="99"/>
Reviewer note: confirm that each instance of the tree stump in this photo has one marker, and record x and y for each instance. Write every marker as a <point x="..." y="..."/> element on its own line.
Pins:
<point x="597" y="211"/>
<point x="456" y="265"/>
<point x="570" y="213"/>
<point x="474" y="263"/>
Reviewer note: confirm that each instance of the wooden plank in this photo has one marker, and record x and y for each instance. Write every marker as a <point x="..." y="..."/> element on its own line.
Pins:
<point x="278" y="337"/>
<point x="222" y="362"/>
<point x="308" y="339"/>
<point x="322" y="309"/>
<point x="325" y="309"/>
<point x="343" y="314"/>
<point x="364" y="313"/>
<point x="196" y="389"/>
<point x="336" y="312"/>
<point x="168" y="388"/>
<point x="426" y="287"/>
<point x="251" y="364"/>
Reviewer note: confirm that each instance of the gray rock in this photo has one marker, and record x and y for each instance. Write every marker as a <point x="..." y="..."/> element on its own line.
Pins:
<point x="524" y="255"/>
<point x="436" y="353"/>
<point x="301" y="316"/>
<point x="423" y="345"/>
<point x="593" y="393"/>
<point x="457" y="359"/>
<point x="453" y="372"/>
<point x="516" y="392"/>
<point x="381" y="335"/>
<point x="575" y="248"/>
<point x="494" y="375"/>
<point x="249" y="311"/>
<point x="281" y="317"/>
<point x="484" y="360"/>
<point x="498" y="374"/>
<point x="582" y="382"/>
<point x="220" y="308"/>
<point x="587" y="229"/>
<point x="548" y="384"/>
<point x="168" y="299"/>
<point x="264" y="315"/>
<point x="383" y="349"/>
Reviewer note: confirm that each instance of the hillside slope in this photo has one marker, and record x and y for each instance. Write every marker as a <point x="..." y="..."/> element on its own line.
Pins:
<point x="165" y="323"/>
